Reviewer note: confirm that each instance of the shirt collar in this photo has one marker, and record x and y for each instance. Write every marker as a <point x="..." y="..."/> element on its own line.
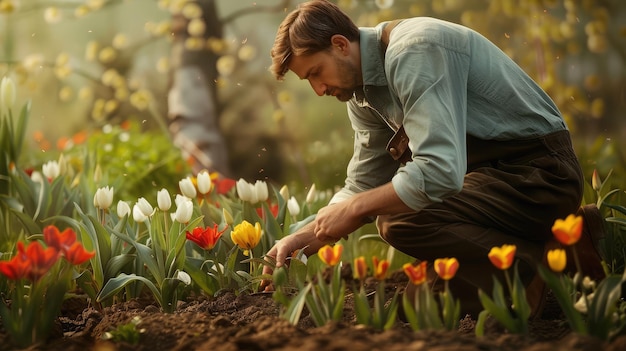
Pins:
<point x="372" y="58"/>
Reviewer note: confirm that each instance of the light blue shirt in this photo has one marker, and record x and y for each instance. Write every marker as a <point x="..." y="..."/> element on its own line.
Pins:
<point x="440" y="80"/>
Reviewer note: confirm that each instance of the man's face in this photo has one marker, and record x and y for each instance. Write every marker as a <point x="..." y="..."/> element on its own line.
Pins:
<point x="329" y="73"/>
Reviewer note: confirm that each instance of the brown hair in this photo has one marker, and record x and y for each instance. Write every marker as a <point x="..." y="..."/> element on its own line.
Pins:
<point x="307" y="30"/>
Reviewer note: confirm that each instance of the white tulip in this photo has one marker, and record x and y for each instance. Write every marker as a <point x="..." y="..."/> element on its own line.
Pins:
<point x="122" y="208"/>
<point x="187" y="188"/>
<point x="51" y="169"/>
<point x="284" y="192"/>
<point x="36" y="177"/>
<point x="183" y="277"/>
<point x="310" y="196"/>
<point x="180" y="198"/>
<point x="260" y="188"/>
<point x="103" y="198"/>
<point x="138" y="214"/>
<point x="204" y="182"/>
<point x="145" y="207"/>
<point x="7" y="93"/>
<point x="244" y="190"/>
<point x="293" y="207"/>
<point x="164" y="201"/>
<point x="184" y="212"/>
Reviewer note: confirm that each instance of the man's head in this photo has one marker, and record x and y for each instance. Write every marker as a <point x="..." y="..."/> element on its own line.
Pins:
<point x="319" y="42"/>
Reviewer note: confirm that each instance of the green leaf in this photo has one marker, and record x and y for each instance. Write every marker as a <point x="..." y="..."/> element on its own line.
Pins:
<point x="294" y="310"/>
<point x="114" y="285"/>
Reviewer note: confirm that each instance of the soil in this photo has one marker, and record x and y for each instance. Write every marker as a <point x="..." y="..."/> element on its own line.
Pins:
<point x="251" y="322"/>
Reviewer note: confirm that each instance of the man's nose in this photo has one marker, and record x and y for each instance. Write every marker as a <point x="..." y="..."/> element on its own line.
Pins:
<point x="319" y="88"/>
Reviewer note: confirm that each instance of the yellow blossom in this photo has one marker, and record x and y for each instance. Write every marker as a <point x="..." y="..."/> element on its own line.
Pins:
<point x="330" y="255"/>
<point x="246" y="236"/>
<point x="502" y="257"/>
<point x="568" y="231"/>
<point x="66" y="93"/>
<point x="246" y="53"/>
<point x="52" y="15"/>
<point x="192" y="10"/>
<point x="226" y="65"/>
<point x="141" y="99"/>
<point x="120" y="41"/>
<point x="81" y="11"/>
<point x="107" y="55"/>
<point x="557" y="259"/>
<point x="196" y="27"/>
<point x="446" y="267"/>
<point x="194" y="44"/>
<point x="91" y="50"/>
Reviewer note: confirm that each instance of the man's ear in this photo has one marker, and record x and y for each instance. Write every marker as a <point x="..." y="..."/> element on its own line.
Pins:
<point x="341" y="43"/>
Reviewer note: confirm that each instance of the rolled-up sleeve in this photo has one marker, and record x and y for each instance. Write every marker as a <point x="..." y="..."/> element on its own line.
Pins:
<point x="429" y="81"/>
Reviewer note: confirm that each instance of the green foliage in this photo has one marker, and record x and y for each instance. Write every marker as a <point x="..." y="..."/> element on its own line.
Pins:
<point x="129" y="332"/>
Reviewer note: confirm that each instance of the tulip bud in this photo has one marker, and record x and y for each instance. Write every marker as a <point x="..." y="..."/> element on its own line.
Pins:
<point x="103" y="198"/>
<point x="184" y="211"/>
<point x="36" y="177"/>
<point x="243" y="190"/>
<point x="596" y="183"/>
<point x="145" y="207"/>
<point x="204" y="182"/>
<point x="164" y="201"/>
<point x="7" y="93"/>
<point x="284" y="192"/>
<point x="310" y="196"/>
<point x="293" y="207"/>
<point x="122" y="208"/>
<point x="187" y="188"/>
<point x="228" y="218"/>
<point x="183" y="277"/>
<point x="138" y="214"/>
<point x="260" y="189"/>
<point x="51" y="170"/>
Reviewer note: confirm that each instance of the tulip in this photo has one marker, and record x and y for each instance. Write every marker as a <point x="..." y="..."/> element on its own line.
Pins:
<point x="502" y="257"/>
<point x="244" y="190"/>
<point x="123" y="208"/>
<point x="183" y="277"/>
<point x="76" y="254"/>
<point x="228" y="218"/>
<point x="596" y="183"/>
<point x="164" y="201"/>
<point x="360" y="268"/>
<point x="206" y="238"/>
<point x="284" y="192"/>
<point x="138" y="214"/>
<point x="246" y="236"/>
<point x="36" y="177"/>
<point x="65" y="242"/>
<point x="103" y="198"/>
<point x="261" y="191"/>
<point x="557" y="259"/>
<point x="204" y="182"/>
<point x="446" y="267"/>
<point x="310" y="196"/>
<point x="380" y="268"/>
<point x="40" y="259"/>
<point x="51" y="170"/>
<point x="331" y="255"/>
<point x="145" y="207"/>
<point x="417" y="273"/>
<point x="568" y="231"/>
<point x="187" y="188"/>
<point x="184" y="211"/>
<point x="7" y="93"/>
<point x="293" y="207"/>
<point x="17" y="268"/>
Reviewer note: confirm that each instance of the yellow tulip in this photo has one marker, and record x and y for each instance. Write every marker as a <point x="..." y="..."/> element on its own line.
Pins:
<point x="502" y="257"/>
<point x="557" y="259"/>
<point x="331" y="255"/>
<point x="380" y="268"/>
<point x="417" y="273"/>
<point x="246" y="236"/>
<point x="568" y="231"/>
<point x="446" y="267"/>
<point x="360" y="268"/>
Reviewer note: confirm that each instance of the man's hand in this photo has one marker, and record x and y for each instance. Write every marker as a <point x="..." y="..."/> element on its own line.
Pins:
<point x="335" y="222"/>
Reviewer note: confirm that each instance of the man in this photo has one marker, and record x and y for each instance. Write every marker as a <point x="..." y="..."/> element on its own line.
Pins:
<point x="489" y="159"/>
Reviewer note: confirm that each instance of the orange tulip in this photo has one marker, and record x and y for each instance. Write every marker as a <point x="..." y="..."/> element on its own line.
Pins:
<point x="380" y="268"/>
<point x="446" y="267"/>
<point x="331" y="255"/>
<point x="360" y="268"/>
<point x="65" y="242"/>
<point x="557" y="260"/>
<point x="502" y="257"/>
<point x="39" y="259"/>
<point x="417" y="273"/>
<point x="206" y="238"/>
<point x="568" y="231"/>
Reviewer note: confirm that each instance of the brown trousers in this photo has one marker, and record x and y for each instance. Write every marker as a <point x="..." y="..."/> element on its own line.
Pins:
<point x="512" y="194"/>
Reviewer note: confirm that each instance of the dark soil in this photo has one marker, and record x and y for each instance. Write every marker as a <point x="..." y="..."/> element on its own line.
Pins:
<point x="251" y="322"/>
